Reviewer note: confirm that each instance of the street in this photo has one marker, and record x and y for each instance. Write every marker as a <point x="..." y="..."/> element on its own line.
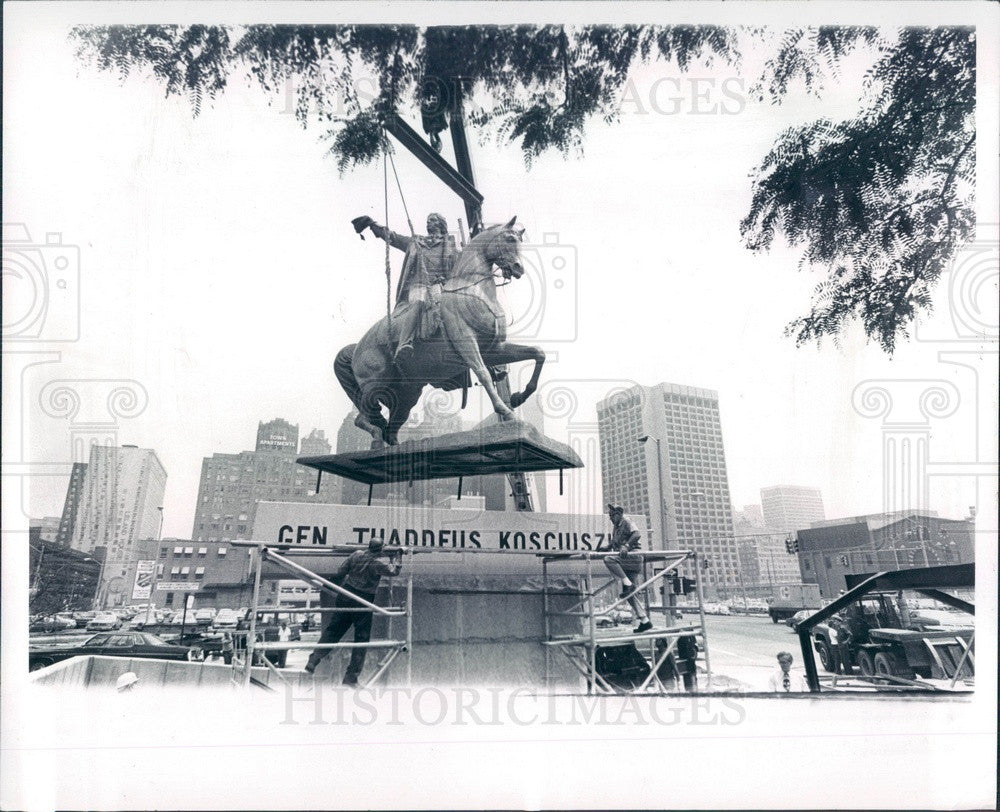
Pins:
<point x="741" y="647"/>
<point x="745" y="647"/>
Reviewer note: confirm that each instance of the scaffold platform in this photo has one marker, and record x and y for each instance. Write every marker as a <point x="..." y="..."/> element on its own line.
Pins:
<point x="659" y="648"/>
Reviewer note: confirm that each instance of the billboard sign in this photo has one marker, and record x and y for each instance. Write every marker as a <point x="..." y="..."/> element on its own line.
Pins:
<point x="142" y="588"/>
<point x="177" y="586"/>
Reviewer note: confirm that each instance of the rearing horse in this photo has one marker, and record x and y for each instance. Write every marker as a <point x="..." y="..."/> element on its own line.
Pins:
<point x="473" y="335"/>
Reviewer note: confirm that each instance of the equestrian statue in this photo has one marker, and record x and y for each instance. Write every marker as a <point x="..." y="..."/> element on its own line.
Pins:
<point x="446" y="321"/>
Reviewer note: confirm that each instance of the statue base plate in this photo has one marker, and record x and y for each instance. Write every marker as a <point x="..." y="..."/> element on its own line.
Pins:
<point x="501" y="448"/>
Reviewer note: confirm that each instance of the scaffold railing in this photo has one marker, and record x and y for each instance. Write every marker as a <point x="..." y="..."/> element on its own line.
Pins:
<point x="265" y="553"/>
<point x="581" y="649"/>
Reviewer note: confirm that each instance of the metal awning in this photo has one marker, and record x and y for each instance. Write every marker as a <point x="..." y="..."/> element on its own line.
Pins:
<point x="510" y="447"/>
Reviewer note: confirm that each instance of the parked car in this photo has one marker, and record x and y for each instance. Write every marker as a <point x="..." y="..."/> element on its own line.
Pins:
<point x="794" y="621"/>
<point x="226" y="619"/>
<point x="49" y="624"/>
<point x="204" y="616"/>
<point x="109" y="644"/>
<point x="104" y="622"/>
<point x="67" y="619"/>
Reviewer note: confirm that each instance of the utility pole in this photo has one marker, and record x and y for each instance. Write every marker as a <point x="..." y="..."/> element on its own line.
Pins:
<point x="668" y="597"/>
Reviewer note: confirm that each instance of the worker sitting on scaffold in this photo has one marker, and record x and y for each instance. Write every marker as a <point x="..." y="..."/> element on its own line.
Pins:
<point x="360" y="573"/>
<point x="429" y="262"/>
<point x="625" y="567"/>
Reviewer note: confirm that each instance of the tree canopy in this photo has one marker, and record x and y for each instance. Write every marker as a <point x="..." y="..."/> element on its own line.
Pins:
<point x="881" y="201"/>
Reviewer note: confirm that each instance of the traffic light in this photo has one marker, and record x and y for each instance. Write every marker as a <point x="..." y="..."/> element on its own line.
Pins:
<point x="792" y="544"/>
<point x="683" y="586"/>
<point x="845" y="561"/>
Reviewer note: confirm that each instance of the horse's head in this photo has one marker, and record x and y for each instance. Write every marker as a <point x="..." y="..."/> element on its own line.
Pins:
<point x="501" y="246"/>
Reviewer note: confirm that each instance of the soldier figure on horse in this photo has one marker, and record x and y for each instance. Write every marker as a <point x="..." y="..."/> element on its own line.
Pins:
<point x="428" y="263"/>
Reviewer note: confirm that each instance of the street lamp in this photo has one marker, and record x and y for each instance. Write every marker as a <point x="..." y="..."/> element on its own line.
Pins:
<point x="659" y="483"/>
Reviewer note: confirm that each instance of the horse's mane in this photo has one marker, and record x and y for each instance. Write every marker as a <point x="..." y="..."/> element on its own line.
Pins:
<point x="479" y="241"/>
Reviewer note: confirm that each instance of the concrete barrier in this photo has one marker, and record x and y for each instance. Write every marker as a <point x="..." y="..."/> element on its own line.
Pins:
<point x="94" y="671"/>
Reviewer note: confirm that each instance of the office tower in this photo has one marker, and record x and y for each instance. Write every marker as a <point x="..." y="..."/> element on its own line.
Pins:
<point x="120" y="504"/>
<point x="667" y="439"/>
<point x="231" y="485"/>
<point x="791" y="507"/>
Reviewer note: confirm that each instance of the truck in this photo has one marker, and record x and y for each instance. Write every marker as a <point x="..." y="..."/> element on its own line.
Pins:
<point x="884" y="635"/>
<point x="791" y="598"/>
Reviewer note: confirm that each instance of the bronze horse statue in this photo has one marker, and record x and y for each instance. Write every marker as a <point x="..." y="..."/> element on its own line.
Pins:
<point x="473" y="336"/>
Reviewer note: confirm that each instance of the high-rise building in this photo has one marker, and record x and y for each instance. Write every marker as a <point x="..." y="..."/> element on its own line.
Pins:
<point x="231" y="485"/>
<point x="314" y="444"/>
<point x="683" y="459"/>
<point x="120" y="505"/>
<point x="71" y="505"/>
<point x="791" y="507"/>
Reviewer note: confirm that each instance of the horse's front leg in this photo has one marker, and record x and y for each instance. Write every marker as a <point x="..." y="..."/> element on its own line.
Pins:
<point x="506" y="353"/>
<point x="463" y="339"/>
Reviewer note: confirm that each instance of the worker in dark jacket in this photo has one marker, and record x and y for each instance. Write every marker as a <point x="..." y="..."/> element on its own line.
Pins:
<point x="360" y="573"/>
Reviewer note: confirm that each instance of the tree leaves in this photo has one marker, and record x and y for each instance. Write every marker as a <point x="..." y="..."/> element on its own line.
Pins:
<point x="883" y="199"/>
<point x="880" y="202"/>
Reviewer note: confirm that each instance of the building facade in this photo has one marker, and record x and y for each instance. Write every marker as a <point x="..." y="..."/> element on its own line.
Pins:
<point x="861" y="545"/>
<point x="314" y="444"/>
<point x="231" y="485"/>
<point x="217" y="574"/>
<point x="789" y="508"/>
<point x="677" y="476"/>
<point x="74" y="492"/>
<point x="765" y="561"/>
<point x="61" y="579"/>
<point x="120" y="505"/>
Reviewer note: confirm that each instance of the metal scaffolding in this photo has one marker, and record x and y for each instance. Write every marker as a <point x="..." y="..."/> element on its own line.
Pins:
<point x="393" y="647"/>
<point x="581" y="650"/>
<point x="658" y="567"/>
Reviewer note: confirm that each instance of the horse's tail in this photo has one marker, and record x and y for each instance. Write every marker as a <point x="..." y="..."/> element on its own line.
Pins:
<point x="344" y="370"/>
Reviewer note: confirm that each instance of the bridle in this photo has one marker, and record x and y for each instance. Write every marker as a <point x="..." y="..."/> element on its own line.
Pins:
<point x="482" y="277"/>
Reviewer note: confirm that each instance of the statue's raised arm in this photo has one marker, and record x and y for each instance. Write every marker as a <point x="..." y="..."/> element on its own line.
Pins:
<point x="428" y="263"/>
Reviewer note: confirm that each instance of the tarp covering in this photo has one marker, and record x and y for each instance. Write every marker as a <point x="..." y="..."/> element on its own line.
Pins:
<point x="483" y="630"/>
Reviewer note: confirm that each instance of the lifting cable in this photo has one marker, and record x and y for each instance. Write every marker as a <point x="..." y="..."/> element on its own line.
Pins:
<point x="385" y="195"/>
<point x="386" y="160"/>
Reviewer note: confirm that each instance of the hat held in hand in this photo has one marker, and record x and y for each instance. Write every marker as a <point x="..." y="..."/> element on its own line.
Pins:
<point x="361" y="223"/>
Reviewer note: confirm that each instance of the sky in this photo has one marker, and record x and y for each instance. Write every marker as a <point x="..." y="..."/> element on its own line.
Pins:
<point x="219" y="273"/>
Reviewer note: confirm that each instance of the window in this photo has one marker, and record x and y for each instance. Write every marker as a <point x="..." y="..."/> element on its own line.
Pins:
<point x="189" y="551"/>
<point x="185" y="571"/>
<point x="203" y="551"/>
<point x="159" y="570"/>
<point x="170" y="599"/>
<point x="164" y="551"/>
<point x="222" y="551"/>
<point x="175" y="570"/>
<point x="178" y="551"/>
<point x="199" y="572"/>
